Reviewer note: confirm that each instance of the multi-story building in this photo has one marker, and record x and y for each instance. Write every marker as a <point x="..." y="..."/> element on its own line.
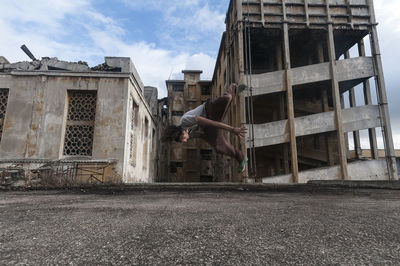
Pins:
<point x="75" y="123"/>
<point x="191" y="161"/>
<point x="300" y="105"/>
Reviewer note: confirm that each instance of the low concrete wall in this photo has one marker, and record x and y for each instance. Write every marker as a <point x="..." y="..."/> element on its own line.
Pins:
<point x="360" y="171"/>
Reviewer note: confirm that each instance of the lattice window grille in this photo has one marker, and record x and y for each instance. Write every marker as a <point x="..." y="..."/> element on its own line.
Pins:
<point x="3" y="108"/>
<point x="80" y="123"/>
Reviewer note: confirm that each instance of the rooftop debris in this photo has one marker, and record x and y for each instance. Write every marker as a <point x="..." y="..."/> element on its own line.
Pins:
<point x="53" y="63"/>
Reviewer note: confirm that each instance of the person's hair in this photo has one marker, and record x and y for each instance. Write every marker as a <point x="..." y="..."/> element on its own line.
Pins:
<point x="172" y="133"/>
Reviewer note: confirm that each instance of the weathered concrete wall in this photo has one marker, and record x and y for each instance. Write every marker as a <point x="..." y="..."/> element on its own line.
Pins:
<point x="356" y="118"/>
<point x="349" y="69"/>
<point x="35" y="121"/>
<point x="36" y="111"/>
<point x="127" y="66"/>
<point x="298" y="79"/>
<point x="362" y="170"/>
<point x="191" y="161"/>
<point x="142" y="169"/>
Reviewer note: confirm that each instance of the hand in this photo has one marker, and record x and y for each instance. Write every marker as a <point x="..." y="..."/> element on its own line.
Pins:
<point x="240" y="131"/>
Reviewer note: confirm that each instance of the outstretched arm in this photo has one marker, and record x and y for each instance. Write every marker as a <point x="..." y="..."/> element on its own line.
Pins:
<point x="239" y="131"/>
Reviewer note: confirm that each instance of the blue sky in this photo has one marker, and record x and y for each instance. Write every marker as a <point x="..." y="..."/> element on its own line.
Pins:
<point x="162" y="37"/>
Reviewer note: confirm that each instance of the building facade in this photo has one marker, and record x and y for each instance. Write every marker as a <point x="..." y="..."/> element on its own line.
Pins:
<point x="300" y="105"/>
<point x="76" y="123"/>
<point x="192" y="161"/>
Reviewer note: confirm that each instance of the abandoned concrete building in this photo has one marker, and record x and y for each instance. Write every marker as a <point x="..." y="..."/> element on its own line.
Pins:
<point x="294" y="57"/>
<point x="77" y="123"/>
<point x="305" y="63"/>
<point x="192" y="161"/>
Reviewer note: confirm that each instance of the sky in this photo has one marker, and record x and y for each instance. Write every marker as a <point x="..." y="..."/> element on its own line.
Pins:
<point x="162" y="37"/>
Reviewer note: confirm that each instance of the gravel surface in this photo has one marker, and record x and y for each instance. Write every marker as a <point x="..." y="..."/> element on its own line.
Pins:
<point x="349" y="227"/>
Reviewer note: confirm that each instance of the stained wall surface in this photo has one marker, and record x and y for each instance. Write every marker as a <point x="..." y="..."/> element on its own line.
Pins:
<point x="34" y="125"/>
<point x="294" y="57"/>
<point x="193" y="161"/>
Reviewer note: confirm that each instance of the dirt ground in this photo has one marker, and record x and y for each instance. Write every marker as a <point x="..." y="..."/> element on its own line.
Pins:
<point x="348" y="227"/>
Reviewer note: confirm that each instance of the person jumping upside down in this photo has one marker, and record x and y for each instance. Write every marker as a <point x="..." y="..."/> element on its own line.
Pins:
<point x="205" y="122"/>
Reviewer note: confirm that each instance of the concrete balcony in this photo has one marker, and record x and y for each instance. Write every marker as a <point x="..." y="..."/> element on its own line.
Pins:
<point x="357" y="118"/>
<point x="349" y="71"/>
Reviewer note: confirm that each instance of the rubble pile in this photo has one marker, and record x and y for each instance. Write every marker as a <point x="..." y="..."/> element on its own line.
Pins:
<point x="45" y="64"/>
<point x="105" y="67"/>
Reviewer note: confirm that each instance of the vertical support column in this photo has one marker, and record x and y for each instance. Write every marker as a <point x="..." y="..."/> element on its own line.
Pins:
<point x="307" y="13"/>
<point x="242" y="78"/>
<point x="350" y="14"/>
<point x="285" y="150"/>
<point x="289" y="96"/>
<point x="336" y="97"/>
<point x="368" y="101"/>
<point x="382" y="97"/>
<point x="346" y="135"/>
<point x="262" y="12"/>
<point x="241" y="69"/>
<point x="277" y="159"/>
<point x="356" y="134"/>
<point x="325" y="106"/>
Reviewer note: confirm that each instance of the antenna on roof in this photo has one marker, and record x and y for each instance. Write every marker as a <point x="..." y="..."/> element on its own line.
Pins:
<point x="27" y="52"/>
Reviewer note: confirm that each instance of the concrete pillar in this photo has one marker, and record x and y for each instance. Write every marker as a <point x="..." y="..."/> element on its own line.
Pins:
<point x="289" y="96"/>
<point x="368" y="101"/>
<point x="356" y="134"/>
<point x="382" y="98"/>
<point x="336" y="97"/>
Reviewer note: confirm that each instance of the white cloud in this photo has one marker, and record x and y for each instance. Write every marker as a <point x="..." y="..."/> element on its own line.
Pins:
<point x="45" y="29"/>
<point x="186" y="25"/>
<point x="388" y="17"/>
<point x="161" y="5"/>
<point x="195" y="18"/>
<point x="387" y="12"/>
<point x="74" y="30"/>
<point x="153" y="64"/>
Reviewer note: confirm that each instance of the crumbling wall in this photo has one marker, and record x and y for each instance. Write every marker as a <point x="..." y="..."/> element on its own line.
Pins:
<point x="35" y="120"/>
<point x="142" y="169"/>
<point x="51" y="174"/>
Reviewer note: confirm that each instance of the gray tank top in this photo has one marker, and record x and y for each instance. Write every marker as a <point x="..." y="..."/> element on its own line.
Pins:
<point x="188" y="120"/>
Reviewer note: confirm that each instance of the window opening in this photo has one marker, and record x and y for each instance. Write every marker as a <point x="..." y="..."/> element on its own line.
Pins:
<point x="3" y="108"/>
<point x="80" y="123"/>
